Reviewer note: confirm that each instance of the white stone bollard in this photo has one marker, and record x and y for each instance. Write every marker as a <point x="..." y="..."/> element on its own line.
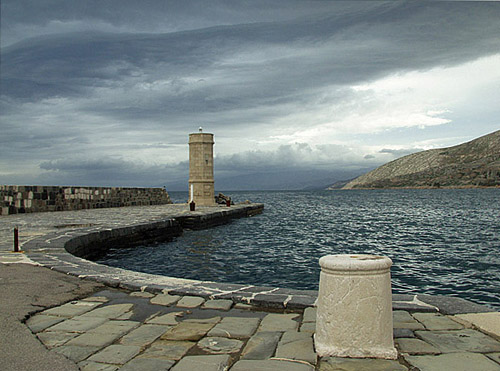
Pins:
<point x="354" y="316"/>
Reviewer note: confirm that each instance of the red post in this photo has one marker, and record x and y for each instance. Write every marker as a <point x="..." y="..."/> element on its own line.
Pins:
<point x="16" y="239"/>
<point x="228" y="203"/>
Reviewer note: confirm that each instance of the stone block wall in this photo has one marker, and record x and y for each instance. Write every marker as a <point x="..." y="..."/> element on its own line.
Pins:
<point x="31" y="199"/>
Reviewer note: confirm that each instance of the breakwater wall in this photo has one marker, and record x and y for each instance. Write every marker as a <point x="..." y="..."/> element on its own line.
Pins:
<point x="15" y="199"/>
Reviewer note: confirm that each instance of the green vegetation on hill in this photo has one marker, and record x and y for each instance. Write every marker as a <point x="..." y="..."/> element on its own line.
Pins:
<point x="472" y="164"/>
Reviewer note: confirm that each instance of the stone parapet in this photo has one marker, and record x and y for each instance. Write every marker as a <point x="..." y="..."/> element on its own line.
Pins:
<point x="16" y="199"/>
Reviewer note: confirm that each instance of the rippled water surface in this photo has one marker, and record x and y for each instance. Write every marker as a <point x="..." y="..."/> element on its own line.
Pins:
<point x="440" y="241"/>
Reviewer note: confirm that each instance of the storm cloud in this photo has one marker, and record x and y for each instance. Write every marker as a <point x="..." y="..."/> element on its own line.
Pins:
<point x="107" y="92"/>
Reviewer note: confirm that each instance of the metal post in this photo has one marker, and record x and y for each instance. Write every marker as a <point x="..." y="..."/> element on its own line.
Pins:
<point x="16" y="239"/>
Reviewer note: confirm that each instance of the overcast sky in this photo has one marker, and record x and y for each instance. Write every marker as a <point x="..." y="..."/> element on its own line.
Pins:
<point x="106" y="92"/>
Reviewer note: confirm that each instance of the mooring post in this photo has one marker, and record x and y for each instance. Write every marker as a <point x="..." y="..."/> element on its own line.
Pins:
<point x="16" y="239"/>
<point x="354" y="317"/>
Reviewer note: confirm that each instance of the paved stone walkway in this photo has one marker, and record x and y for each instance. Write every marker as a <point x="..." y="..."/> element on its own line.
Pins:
<point x="115" y="329"/>
<point x="161" y="323"/>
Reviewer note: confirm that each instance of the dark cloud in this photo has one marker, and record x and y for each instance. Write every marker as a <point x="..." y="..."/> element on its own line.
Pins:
<point x="104" y="81"/>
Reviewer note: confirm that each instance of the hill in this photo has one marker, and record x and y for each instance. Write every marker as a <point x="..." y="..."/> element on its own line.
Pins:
<point x="472" y="164"/>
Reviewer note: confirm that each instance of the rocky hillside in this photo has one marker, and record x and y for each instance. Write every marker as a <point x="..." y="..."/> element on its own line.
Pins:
<point x="472" y="164"/>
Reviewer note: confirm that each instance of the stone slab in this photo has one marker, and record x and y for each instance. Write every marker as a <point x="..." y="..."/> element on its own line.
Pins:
<point x="97" y="299"/>
<point x="279" y="322"/>
<point x="95" y="366"/>
<point x="403" y="319"/>
<point x="261" y="346"/>
<point x="235" y="327"/>
<point x="115" y="327"/>
<point x="71" y="309"/>
<point x="403" y="333"/>
<point x="309" y="327"/>
<point x="436" y="321"/>
<point x="270" y="365"/>
<point x="76" y="353"/>
<point x="494" y="356"/>
<point x="41" y="322"/>
<point x="190" y="302"/>
<point x="164" y="349"/>
<point x="220" y="345"/>
<point x="116" y="354"/>
<point x="206" y="363"/>
<point x="213" y="320"/>
<point x="55" y="339"/>
<point x="415" y="346"/>
<point x="190" y="331"/>
<point x="78" y="324"/>
<point x="296" y="345"/>
<point x="110" y="311"/>
<point x="165" y="299"/>
<point x="453" y="305"/>
<point x="169" y="319"/>
<point x="219" y="304"/>
<point x="144" y="335"/>
<point x="460" y="341"/>
<point x="486" y="322"/>
<point x="453" y="362"/>
<point x="351" y="364"/>
<point x="310" y="314"/>
<point x="148" y="364"/>
<point x="93" y="339"/>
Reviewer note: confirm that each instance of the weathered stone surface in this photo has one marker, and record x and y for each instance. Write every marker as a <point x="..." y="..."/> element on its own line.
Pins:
<point x="116" y="354"/>
<point x="205" y="363"/>
<point x="95" y="366"/>
<point x="55" y="339"/>
<point x="309" y="327"/>
<point x="243" y="306"/>
<point x="296" y="345"/>
<point x="94" y="339"/>
<point x="41" y="322"/>
<point x="453" y="362"/>
<point x="436" y="321"/>
<point x="403" y="333"/>
<point x="190" y="302"/>
<point x="213" y="320"/>
<point x="144" y="335"/>
<point x="163" y="349"/>
<point x="261" y="346"/>
<point x="148" y="364"/>
<point x="71" y="309"/>
<point x="235" y="327"/>
<point x="220" y="304"/>
<point x="310" y="314"/>
<point x="169" y="319"/>
<point x="76" y="353"/>
<point x="354" y="317"/>
<point x="187" y="331"/>
<point x="494" y="356"/>
<point x="220" y="345"/>
<point x="165" y="299"/>
<point x="78" y="324"/>
<point x="110" y="311"/>
<point x="351" y="364"/>
<point x="279" y="322"/>
<point x="403" y="319"/>
<point x="416" y="346"/>
<point x="270" y="365"/>
<point x="460" y="341"/>
<point x="486" y="322"/>
<point x="114" y="328"/>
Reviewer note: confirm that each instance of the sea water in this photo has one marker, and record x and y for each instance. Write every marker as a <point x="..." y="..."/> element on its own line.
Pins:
<point x="440" y="241"/>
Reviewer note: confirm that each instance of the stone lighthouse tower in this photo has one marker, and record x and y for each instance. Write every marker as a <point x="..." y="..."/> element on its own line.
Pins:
<point x="201" y="168"/>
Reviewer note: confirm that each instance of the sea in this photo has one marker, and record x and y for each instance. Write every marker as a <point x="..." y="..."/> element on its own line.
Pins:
<point x="441" y="241"/>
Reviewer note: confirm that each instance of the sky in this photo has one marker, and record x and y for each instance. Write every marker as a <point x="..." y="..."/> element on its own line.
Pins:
<point x="297" y="93"/>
